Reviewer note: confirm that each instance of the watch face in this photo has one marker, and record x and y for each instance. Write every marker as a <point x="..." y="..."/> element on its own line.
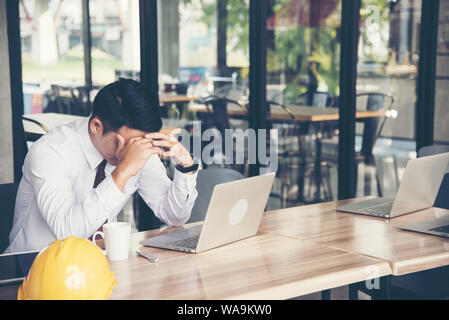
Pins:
<point x="195" y="159"/>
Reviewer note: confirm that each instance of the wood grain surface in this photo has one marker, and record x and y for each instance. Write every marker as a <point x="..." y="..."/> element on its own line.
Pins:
<point x="266" y="266"/>
<point x="406" y="251"/>
<point x="176" y="98"/>
<point x="300" y="113"/>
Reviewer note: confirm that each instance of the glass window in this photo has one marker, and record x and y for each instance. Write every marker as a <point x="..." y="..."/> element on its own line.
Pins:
<point x="52" y="53"/>
<point x="203" y="53"/>
<point x="441" y="129"/>
<point x="303" y="59"/>
<point x="237" y="28"/>
<point x="386" y="81"/>
<point x="115" y="33"/>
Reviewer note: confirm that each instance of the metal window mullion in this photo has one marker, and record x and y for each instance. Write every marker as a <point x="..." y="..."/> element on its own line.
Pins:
<point x="149" y="48"/>
<point x="425" y="106"/>
<point x="15" y="70"/>
<point x="347" y="106"/>
<point x="87" y="44"/>
<point x="257" y="71"/>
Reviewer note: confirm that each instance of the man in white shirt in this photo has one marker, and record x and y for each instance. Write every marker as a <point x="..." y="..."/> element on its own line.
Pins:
<point x="80" y="175"/>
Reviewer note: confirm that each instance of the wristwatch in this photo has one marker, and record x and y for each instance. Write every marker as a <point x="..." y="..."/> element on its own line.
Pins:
<point x="192" y="168"/>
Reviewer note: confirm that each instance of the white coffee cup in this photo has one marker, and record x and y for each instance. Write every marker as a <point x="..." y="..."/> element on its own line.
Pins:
<point x="116" y="237"/>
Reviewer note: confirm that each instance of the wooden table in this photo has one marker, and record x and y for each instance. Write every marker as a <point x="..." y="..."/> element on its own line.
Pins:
<point x="405" y="251"/>
<point x="297" y="113"/>
<point x="266" y="266"/>
<point x="51" y="120"/>
<point x="306" y="115"/>
<point x="163" y="98"/>
<point x="315" y="114"/>
<point x="177" y="99"/>
<point x="232" y="110"/>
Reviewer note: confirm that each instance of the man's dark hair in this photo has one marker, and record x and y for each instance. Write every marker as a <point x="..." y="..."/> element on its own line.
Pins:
<point x="126" y="103"/>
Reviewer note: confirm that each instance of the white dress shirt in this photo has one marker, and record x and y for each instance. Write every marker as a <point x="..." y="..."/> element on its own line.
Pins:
<point x="56" y="198"/>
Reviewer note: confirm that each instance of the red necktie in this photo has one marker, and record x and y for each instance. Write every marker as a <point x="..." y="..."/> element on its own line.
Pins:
<point x="98" y="179"/>
<point x="100" y="173"/>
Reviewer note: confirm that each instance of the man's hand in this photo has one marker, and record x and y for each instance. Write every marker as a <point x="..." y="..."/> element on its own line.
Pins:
<point x="132" y="157"/>
<point x="173" y="148"/>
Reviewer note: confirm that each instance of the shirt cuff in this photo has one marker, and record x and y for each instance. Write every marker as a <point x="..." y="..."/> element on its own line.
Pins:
<point x="110" y="194"/>
<point x="189" y="180"/>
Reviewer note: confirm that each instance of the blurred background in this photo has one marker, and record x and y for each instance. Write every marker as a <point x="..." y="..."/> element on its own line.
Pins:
<point x="71" y="48"/>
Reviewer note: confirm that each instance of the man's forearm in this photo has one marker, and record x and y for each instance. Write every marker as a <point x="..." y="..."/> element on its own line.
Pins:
<point x="120" y="176"/>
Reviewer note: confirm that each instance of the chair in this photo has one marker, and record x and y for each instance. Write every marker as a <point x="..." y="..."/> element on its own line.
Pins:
<point x="372" y="129"/>
<point x="217" y="115"/>
<point x="317" y="99"/>
<point x="70" y="100"/>
<point x="431" y="150"/>
<point x="8" y="193"/>
<point x="217" y="110"/>
<point x="131" y="74"/>
<point x="286" y="128"/>
<point x="292" y="131"/>
<point x="81" y="97"/>
<point x="144" y="217"/>
<point x="31" y="136"/>
<point x="206" y="181"/>
<point x="374" y="126"/>
<point x="320" y="100"/>
<point x="288" y="140"/>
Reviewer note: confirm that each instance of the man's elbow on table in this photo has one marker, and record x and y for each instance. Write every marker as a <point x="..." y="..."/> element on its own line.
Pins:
<point x="178" y="219"/>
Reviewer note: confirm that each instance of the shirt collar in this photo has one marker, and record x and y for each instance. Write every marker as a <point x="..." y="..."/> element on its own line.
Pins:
<point x="94" y="158"/>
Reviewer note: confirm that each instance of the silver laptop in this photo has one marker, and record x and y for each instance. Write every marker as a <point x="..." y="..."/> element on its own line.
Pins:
<point x="417" y="191"/>
<point x="234" y="213"/>
<point x="437" y="227"/>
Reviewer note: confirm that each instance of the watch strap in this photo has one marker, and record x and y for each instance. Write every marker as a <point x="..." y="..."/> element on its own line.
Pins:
<point x="192" y="168"/>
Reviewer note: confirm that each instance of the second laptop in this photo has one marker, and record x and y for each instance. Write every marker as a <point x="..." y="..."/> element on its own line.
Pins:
<point x="417" y="191"/>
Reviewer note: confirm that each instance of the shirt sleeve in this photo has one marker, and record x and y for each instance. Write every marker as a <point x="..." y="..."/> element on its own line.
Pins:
<point x="171" y="201"/>
<point x="49" y="174"/>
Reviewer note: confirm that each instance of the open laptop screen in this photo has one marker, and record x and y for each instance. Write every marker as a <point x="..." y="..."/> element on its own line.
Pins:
<point x="442" y="200"/>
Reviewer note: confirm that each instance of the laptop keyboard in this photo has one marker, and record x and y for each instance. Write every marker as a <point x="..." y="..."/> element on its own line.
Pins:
<point x="186" y="243"/>
<point x="443" y="229"/>
<point x="380" y="210"/>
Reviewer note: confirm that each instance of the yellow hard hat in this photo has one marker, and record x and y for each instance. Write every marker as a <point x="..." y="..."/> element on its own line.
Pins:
<point x="69" y="269"/>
